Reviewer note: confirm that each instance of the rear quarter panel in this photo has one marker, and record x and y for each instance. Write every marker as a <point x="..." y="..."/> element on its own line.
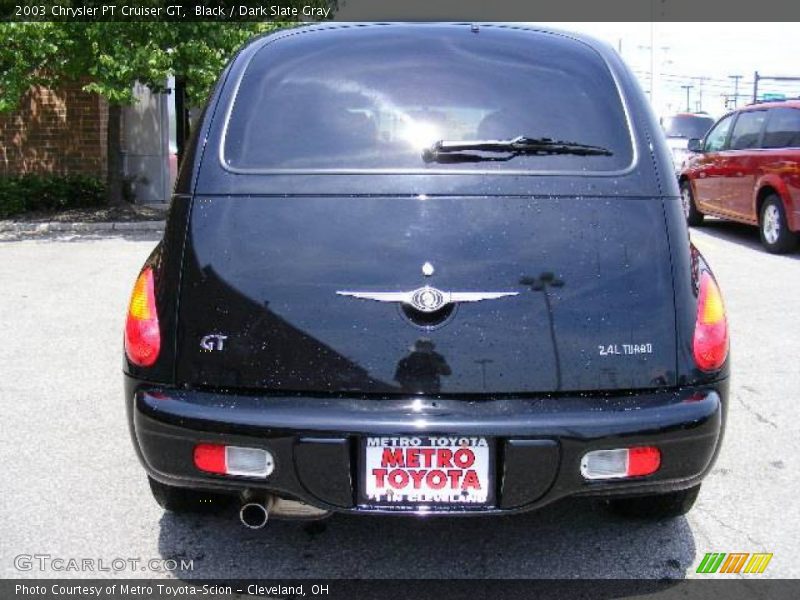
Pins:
<point x="779" y="170"/>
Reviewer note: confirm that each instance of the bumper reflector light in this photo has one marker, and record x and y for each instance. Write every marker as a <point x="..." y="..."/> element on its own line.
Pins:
<point x="233" y="460"/>
<point x="252" y="462"/>
<point x="620" y="463"/>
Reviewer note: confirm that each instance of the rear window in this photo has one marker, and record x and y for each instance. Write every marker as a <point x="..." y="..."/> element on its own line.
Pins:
<point x="687" y="126"/>
<point x="783" y="128"/>
<point x="374" y="98"/>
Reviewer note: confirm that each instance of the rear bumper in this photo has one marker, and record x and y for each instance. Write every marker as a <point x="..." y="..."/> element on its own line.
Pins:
<point x="539" y="441"/>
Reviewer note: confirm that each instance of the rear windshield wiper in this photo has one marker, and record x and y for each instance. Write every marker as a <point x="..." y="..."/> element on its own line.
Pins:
<point x="464" y="151"/>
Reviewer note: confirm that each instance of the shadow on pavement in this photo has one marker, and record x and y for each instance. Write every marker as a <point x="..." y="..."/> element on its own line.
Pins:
<point x="737" y="233"/>
<point x="64" y="236"/>
<point x="572" y="539"/>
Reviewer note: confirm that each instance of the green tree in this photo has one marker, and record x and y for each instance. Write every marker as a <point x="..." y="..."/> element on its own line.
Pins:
<point x="110" y="57"/>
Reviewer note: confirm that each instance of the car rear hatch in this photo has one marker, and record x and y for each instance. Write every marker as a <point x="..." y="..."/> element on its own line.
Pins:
<point x="592" y="305"/>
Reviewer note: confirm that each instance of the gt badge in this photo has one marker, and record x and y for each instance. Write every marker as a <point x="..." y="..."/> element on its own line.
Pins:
<point x="213" y="342"/>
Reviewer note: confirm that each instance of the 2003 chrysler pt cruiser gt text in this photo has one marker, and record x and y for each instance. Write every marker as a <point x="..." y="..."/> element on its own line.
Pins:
<point x="425" y="269"/>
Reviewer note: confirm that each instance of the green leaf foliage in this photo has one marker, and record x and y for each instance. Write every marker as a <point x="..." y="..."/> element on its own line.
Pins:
<point x="110" y="57"/>
<point x="50" y="192"/>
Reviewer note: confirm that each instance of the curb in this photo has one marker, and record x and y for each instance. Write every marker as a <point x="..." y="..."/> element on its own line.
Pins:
<point x="85" y="227"/>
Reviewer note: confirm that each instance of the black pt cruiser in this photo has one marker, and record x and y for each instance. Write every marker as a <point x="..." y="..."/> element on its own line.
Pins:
<point x="425" y="269"/>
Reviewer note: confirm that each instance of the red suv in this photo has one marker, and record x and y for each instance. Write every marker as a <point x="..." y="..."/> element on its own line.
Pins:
<point x="747" y="169"/>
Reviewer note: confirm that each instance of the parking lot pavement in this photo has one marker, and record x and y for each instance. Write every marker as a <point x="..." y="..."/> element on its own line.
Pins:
<point x="72" y="487"/>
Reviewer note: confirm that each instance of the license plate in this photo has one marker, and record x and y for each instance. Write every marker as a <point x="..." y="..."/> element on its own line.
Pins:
<point x="411" y="471"/>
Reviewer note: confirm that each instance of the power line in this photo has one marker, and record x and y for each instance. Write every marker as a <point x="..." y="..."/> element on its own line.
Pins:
<point x="736" y="95"/>
<point x="708" y="82"/>
<point x="729" y="88"/>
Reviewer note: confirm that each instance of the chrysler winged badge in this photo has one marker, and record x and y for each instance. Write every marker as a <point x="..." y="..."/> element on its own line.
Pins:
<point x="427" y="299"/>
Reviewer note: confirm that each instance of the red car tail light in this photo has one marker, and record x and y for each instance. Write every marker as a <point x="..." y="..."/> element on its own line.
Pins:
<point x="233" y="460"/>
<point x="621" y="463"/>
<point x="711" y="328"/>
<point x="643" y="460"/>
<point x="210" y="458"/>
<point x="142" y="335"/>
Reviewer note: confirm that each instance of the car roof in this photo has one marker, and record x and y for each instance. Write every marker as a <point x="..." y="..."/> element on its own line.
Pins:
<point x="688" y="114"/>
<point x="794" y="103"/>
<point x="599" y="45"/>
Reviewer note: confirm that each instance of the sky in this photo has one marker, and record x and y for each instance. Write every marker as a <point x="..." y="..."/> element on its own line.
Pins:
<point x="703" y="55"/>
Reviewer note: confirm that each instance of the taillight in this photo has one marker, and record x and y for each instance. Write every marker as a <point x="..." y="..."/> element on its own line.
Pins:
<point x="621" y="462"/>
<point x="643" y="460"/>
<point x="142" y="336"/>
<point x="210" y="458"/>
<point x="233" y="460"/>
<point x="711" y="328"/>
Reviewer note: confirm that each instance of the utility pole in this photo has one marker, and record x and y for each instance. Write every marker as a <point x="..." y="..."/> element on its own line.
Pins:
<point x="483" y="362"/>
<point x="736" y="79"/>
<point x="755" y="86"/>
<point x="758" y="78"/>
<point x="543" y="283"/>
<point x="687" y="88"/>
<point x="655" y="73"/>
<point x="653" y="66"/>
<point x="700" y="81"/>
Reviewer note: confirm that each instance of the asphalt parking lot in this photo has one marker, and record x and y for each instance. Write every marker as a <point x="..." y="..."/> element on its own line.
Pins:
<point x="72" y="487"/>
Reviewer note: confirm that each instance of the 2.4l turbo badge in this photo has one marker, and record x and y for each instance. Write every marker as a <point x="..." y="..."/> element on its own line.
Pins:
<point x="625" y="349"/>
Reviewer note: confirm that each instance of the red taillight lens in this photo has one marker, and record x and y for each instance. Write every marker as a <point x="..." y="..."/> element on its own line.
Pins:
<point x="234" y="460"/>
<point x="711" y="328"/>
<point x="620" y="463"/>
<point x="142" y="335"/>
<point x="643" y="460"/>
<point x="210" y="458"/>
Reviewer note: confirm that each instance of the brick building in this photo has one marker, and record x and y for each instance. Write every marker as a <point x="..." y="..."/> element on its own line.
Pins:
<point x="64" y="132"/>
<point x="55" y="131"/>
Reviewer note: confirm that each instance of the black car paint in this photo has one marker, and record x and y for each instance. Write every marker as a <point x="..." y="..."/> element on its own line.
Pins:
<point x="315" y="440"/>
<point x="178" y="401"/>
<point x="273" y="294"/>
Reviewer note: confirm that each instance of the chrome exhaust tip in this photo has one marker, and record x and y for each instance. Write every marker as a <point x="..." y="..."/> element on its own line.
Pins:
<point x="254" y="515"/>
